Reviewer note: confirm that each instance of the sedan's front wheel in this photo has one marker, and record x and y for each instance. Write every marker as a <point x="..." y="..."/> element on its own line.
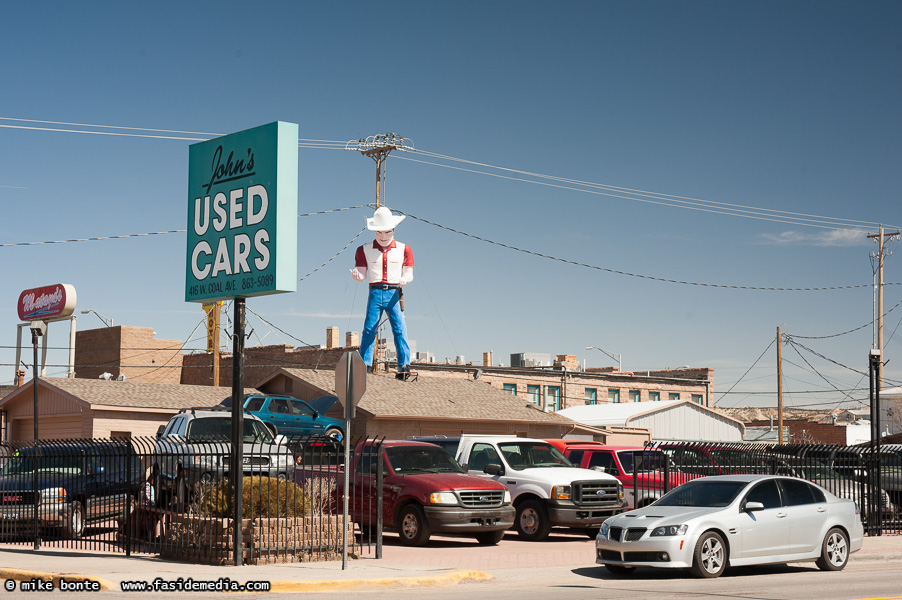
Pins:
<point x="834" y="551"/>
<point x="710" y="556"/>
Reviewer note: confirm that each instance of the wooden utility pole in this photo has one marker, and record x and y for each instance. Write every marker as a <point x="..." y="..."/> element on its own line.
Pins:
<point x="780" y="384"/>
<point x="378" y="147"/>
<point x="881" y="254"/>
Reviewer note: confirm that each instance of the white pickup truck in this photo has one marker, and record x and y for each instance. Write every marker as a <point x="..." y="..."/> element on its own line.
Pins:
<point x="546" y="490"/>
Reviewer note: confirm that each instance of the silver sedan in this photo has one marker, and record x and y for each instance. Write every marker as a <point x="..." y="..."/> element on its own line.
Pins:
<point x="710" y="523"/>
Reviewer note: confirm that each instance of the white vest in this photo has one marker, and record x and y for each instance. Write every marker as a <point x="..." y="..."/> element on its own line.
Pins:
<point x="378" y="272"/>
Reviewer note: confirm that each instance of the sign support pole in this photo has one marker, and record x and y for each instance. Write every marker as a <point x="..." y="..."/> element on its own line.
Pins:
<point x="36" y="332"/>
<point x="348" y="406"/>
<point x="237" y="426"/>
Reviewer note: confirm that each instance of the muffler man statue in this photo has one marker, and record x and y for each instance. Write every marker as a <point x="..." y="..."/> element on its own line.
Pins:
<point x="388" y="266"/>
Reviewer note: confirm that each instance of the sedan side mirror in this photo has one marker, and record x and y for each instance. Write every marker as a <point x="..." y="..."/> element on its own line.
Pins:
<point x="753" y="506"/>
<point x="493" y="469"/>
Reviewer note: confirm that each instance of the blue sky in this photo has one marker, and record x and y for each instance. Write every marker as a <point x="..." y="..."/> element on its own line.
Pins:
<point x="755" y="107"/>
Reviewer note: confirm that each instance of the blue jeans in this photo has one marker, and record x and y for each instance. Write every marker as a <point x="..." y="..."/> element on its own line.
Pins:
<point x="388" y="301"/>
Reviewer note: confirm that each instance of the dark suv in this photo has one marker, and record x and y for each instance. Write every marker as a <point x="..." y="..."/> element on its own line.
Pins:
<point x="71" y="484"/>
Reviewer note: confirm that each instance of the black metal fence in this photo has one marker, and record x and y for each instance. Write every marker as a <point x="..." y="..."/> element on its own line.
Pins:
<point x="872" y="479"/>
<point x="173" y="496"/>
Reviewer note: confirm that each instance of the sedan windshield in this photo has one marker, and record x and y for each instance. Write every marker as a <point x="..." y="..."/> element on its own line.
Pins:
<point x="712" y="494"/>
<point x="421" y="459"/>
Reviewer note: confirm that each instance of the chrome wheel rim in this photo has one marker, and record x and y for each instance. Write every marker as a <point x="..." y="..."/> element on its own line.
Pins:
<point x="529" y="521"/>
<point x="712" y="555"/>
<point x="837" y="550"/>
<point x="78" y="523"/>
<point x="410" y="526"/>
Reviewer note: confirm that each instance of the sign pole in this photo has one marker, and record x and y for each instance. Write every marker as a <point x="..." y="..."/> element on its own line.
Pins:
<point x="237" y="425"/>
<point x="349" y="386"/>
<point x="37" y="329"/>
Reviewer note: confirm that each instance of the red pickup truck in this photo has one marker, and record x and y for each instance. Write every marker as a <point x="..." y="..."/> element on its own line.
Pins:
<point x="424" y="491"/>
<point x="640" y="470"/>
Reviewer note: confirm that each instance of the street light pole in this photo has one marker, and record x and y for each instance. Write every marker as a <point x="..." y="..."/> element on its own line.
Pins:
<point x="617" y="357"/>
<point x="108" y="321"/>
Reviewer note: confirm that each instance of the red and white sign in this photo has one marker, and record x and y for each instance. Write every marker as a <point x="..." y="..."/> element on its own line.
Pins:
<point x="47" y="303"/>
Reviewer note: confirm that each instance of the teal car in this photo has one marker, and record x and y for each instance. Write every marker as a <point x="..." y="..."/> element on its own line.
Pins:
<point x="292" y="417"/>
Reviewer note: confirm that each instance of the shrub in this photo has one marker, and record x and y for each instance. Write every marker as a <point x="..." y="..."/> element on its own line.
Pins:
<point x="261" y="497"/>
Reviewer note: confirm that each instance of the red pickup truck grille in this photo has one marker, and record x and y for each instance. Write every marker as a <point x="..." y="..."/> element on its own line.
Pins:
<point x="481" y="498"/>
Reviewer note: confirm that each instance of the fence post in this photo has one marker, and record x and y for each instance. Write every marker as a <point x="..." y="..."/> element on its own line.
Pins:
<point x="380" y="474"/>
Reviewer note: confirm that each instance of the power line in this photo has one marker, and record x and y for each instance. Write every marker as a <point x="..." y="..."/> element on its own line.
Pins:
<point x="746" y="372"/>
<point x="870" y="323"/>
<point x="671" y="200"/>
<point x="658" y="198"/>
<point x="637" y="275"/>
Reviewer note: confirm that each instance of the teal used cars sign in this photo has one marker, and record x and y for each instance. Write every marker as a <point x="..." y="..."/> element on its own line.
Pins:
<point x="242" y="214"/>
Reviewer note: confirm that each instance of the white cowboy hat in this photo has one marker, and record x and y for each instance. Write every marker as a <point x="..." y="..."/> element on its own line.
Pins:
<point x="383" y="220"/>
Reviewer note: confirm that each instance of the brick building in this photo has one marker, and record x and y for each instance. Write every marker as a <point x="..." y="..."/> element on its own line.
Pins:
<point x="133" y="352"/>
<point x="807" y="431"/>
<point x="553" y="389"/>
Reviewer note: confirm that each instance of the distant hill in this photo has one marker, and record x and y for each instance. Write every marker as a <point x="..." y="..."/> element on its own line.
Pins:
<point x="748" y="414"/>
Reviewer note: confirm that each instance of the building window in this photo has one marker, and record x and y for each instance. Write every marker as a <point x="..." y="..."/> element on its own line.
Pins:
<point x="532" y="394"/>
<point x="614" y="396"/>
<point x="698" y="398"/>
<point x="552" y="398"/>
<point x="591" y="396"/>
<point x="510" y="387"/>
<point x="634" y="395"/>
<point x="654" y="396"/>
<point x="673" y="396"/>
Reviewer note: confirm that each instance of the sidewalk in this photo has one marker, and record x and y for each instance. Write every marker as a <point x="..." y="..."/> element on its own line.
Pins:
<point x="446" y="561"/>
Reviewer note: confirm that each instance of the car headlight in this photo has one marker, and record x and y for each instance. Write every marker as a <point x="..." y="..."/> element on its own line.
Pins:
<point x="604" y="529"/>
<point x="670" y="530"/>
<point x="560" y="492"/>
<point x="53" y="495"/>
<point x="507" y="497"/>
<point x="442" y="498"/>
<point x="620" y="490"/>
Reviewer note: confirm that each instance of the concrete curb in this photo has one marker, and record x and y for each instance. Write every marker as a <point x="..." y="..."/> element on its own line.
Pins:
<point x="313" y="585"/>
<point x="20" y="575"/>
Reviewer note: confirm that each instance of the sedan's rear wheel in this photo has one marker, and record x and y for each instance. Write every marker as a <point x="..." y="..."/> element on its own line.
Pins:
<point x="834" y="551"/>
<point x="710" y="556"/>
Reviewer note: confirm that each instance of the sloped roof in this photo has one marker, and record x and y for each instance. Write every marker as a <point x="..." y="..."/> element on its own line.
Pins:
<point x="431" y="398"/>
<point x="133" y="394"/>
<point x="622" y="413"/>
<point x="613" y="414"/>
